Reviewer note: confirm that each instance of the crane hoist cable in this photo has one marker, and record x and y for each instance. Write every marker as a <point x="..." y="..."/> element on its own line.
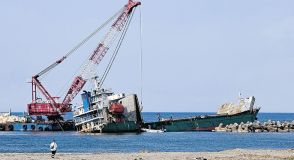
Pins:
<point x="141" y="58"/>
<point x="116" y="49"/>
<point x="62" y="90"/>
<point x="46" y="70"/>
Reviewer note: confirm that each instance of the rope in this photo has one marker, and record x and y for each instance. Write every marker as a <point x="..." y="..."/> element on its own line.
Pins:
<point x="116" y="49"/>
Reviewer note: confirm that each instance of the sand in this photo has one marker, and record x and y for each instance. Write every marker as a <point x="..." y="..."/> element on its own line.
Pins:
<point x="228" y="155"/>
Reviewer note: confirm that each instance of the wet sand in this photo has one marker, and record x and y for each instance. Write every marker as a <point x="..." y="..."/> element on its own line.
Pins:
<point x="241" y="154"/>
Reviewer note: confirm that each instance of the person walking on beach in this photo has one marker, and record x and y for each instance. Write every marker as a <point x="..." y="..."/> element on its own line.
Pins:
<point x="53" y="148"/>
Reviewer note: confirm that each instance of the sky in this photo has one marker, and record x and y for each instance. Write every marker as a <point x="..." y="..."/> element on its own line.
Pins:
<point x="197" y="54"/>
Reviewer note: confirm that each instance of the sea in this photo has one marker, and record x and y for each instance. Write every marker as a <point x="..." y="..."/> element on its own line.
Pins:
<point x="73" y="142"/>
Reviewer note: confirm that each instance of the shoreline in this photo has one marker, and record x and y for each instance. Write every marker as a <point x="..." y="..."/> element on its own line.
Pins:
<point x="227" y="154"/>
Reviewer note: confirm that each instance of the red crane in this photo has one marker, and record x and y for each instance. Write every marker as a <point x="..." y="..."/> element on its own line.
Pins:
<point x="51" y="108"/>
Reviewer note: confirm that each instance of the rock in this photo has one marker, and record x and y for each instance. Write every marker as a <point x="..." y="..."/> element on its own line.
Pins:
<point x="291" y="130"/>
<point x="228" y="130"/>
<point x="256" y="126"/>
<point x="283" y="130"/>
<point x="257" y="123"/>
<point x="245" y="130"/>
<point x="265" y="124"/>
<point x="279" y="124"/>
<point x="234" y="129"/>
<point x="272" y="129"/>
<point x="220" y="128"/>
<point x="285" y="124"/>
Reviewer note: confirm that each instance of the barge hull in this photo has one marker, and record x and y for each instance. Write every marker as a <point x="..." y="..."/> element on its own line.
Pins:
<point x="17" y="126"/>
<point x="203" y="123"/>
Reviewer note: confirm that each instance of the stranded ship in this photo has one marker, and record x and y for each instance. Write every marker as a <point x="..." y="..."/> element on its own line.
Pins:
<point x="105" y="112"/>
<point x="229" y="113"/>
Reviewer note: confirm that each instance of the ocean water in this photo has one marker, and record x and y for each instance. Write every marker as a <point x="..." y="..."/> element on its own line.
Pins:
<point x="168" y="142"/>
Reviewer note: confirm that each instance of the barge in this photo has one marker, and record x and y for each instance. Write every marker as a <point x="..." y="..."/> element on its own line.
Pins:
<point x="29" y="126"/>
<point x="229" y="113"/>
<point x="9" y="122"/>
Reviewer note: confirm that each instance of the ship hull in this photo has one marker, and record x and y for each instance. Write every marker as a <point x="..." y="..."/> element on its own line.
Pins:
<point x="202" y="123"/>
<point x="122" y="127"/>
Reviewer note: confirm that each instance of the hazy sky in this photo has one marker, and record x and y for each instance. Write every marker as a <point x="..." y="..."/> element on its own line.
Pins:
<point x="197" y="54"/>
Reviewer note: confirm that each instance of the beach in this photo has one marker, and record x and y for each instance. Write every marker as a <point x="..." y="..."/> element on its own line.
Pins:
<point x="238" y="154"/>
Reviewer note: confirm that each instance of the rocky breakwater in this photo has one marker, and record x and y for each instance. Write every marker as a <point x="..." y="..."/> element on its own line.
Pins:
<point x="268" y="126"/>
<point x="11" y="119"/>
<point x="7" y="120"/>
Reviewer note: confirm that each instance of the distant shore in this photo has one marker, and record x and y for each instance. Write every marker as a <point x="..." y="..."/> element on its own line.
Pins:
<point x="228" y="155"/>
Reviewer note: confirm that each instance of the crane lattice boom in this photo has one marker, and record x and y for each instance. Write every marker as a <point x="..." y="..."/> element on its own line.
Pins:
<point x="51" y="107"/>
